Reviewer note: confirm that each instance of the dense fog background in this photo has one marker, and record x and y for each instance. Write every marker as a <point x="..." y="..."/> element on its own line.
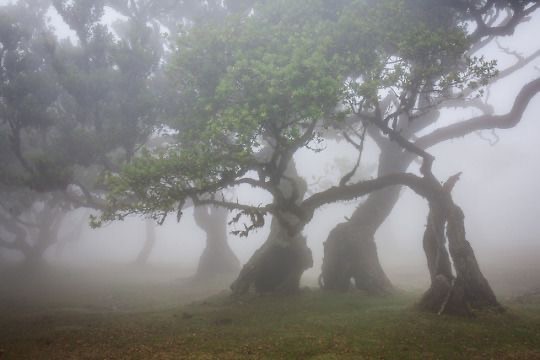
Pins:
<point x="498" y="191"/>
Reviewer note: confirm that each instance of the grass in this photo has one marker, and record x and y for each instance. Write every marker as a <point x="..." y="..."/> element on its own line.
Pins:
<point x="310" y="325"/>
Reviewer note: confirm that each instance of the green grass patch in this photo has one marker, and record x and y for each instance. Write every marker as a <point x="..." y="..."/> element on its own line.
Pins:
<point x="308" y="325"/>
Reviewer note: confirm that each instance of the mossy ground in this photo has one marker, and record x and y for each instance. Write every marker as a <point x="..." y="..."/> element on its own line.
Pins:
<point x="309" y="325"/>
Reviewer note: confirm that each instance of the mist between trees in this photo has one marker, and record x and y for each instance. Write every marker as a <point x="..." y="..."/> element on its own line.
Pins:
<point x="280" y="135"/>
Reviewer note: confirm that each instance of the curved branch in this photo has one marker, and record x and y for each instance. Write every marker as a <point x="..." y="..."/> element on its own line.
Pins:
<point x="521" y="63"/>
<point x="351" y="192"/>
<point x="484" y="122"/>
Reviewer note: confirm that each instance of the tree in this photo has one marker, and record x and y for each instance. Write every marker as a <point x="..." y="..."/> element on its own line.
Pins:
<point x="355" y="238"/>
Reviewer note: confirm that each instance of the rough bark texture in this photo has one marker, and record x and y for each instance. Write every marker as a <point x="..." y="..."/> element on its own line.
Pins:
<point x="471" y="286"/>
<point x="438" y="261"/>
<point x="469" y="289"/>
<point x="217" y="257"/>
<point x="434" y="243"/>
<point x="278" y="265"/>
<point x="350" y="252"/>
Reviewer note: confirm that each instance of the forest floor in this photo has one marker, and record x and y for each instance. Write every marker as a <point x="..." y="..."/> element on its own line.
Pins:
<point x="119" y="319"/>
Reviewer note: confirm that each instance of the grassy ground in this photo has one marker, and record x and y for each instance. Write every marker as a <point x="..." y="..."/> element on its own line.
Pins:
<point x="308" y="325"/>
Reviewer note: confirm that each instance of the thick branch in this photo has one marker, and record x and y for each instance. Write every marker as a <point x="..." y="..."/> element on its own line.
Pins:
<point x="234" y="206"/>
<point x="484" y="122"/>
<point x="351" y="192"/>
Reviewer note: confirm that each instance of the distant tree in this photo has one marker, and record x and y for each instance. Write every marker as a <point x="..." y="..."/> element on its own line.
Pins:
<point x="31" y="161"/>
<point x="69" y="110"/>
<point x="73" y="110"/>
<point x="217" y="259"/>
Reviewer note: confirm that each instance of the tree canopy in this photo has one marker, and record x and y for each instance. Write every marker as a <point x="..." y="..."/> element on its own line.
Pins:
<point x="254" y="89"/>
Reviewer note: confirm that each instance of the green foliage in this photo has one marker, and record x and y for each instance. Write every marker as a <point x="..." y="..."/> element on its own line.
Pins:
<point x="70" y="105"/>
<point x="259" y="80"/>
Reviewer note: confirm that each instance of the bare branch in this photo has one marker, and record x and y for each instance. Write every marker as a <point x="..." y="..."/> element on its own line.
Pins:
<point x="484" y="122"/>
<point x="360" y="148"/>
<point x="351" y="192"/>
<point x="233" y="206"/>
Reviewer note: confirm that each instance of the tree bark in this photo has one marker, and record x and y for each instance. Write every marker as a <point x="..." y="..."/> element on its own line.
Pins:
<point x="468" y="290"/>
<point x="278" y="265"/>
<point x="434" y="243"/>
<point x="471" y="287"/>
<point x="217" y="257"/>
<point x="350" y="252"/>
<point x="438" y="260"/>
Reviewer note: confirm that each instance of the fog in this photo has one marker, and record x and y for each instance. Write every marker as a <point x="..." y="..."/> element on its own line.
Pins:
<point x="498" y="192"/>
<point x="137" y="265"/>
<point x="286" y="179"/>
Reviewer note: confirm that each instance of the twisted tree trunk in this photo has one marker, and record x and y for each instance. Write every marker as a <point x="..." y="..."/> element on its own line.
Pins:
<point x="278" y="265"/>
<point x="350" y="252"/>
<point x="438" y="260"/>
<point x="469" y="289"/>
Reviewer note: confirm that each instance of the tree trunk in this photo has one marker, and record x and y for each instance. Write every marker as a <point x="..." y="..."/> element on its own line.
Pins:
<point x="278" y="265"/>
<point x="469" y="290"/>
<point x="470" y="287"/>
<point x="434" y="243"/>
<point x="149" y="243"/>
<point x="438" y="260"/>
<point x="217" y="258"/>
<point x="350" y="252"/>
